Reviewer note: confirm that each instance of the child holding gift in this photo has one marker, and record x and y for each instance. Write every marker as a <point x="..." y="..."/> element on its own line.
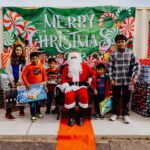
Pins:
<point x="101" y="87"/>
<point x="34" y="73"/>
<point x="14" y="68"/>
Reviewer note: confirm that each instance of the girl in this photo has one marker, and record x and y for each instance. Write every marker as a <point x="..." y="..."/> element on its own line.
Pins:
<point x="14" y="69"/>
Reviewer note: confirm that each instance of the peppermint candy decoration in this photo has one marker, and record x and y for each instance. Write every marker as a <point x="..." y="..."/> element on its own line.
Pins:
<point x="34" y="44"/>
<point x="29" y="30"/>
<point x="90" y="61"/>
<point x="13" y="22"/>
<point x="29" y="50"/>
<point x="60" y="60"/>
<point x="107" y="14"/>
<point x="44" y="58"/>
<point x="121" y="9"/>
<point x="8" y="39"/>
<point x="127" y="27"/>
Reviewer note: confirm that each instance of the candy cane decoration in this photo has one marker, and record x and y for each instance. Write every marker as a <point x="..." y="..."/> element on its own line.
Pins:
<point x="13" y="22"/>
<point x="107" y="14"/>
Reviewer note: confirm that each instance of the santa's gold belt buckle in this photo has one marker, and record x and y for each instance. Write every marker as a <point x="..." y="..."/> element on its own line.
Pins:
<point x="76" y="83"/>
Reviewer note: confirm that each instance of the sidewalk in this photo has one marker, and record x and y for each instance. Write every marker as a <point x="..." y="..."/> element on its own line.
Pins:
<point x="139" y="126"/>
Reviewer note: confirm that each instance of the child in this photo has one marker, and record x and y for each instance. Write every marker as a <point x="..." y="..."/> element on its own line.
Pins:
<point x="52" y="76"/>
<point x="34" y="73"/>
<point x="124" y="70"/>
<point x="14" y="68"/>
<point x="101" y="86"/>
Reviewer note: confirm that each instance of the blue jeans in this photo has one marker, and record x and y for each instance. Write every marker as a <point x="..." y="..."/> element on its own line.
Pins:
<point x="49" y="100"/>
<point x="35" y="108"/>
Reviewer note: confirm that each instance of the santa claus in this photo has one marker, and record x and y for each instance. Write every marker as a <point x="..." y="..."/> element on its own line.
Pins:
<point x="74" y="84"/>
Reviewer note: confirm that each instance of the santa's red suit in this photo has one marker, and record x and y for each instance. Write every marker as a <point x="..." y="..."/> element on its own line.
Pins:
<point x="77" y="88"/>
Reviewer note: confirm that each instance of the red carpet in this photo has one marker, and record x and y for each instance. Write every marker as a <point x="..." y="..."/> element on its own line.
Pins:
<point x="76" y="137"/>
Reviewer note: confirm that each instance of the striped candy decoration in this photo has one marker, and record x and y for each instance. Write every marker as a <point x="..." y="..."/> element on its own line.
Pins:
<point x="127" y="27"/>
<point x="107" y="14"/>
<point x="5" y="57"/>
<point x="8" y="38"/>
<point x="90" y="61"/>
<point x="29" y="30"/>
<point x="13" y="22"/>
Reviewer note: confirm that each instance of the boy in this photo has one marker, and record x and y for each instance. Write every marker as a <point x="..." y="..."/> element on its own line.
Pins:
<point x="124" y="70"/>
<point x="52" y="76"/>
<point x="32" y="74"/>
<point x="101" y="86"/>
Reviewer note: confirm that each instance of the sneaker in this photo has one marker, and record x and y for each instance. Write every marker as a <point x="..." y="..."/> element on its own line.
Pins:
<point x="113" y="117"/>
<point x="39" y="115"/>
<point x="9" y="116"/>
<point x="96" y="116"/>
<point x="102" y="117"/>
<point x="47" y="112"/>
<point x="126" y="119"/>
<point x="22" y="114"/>
<point x="33" y="118"/>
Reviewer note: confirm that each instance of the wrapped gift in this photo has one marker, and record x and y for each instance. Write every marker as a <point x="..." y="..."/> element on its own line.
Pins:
<point x="105" y="106"/>
<point x="4" y="82"/>
<point x="141" y="98"/>
<point x="35" y="93"/>
<point x="145" y="70"/>
<point x="145" y="62"/>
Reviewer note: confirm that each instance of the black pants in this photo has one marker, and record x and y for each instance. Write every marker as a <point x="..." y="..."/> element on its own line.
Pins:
<point x="97" y="100"/>
<point x="126" y="93"/>
<point x="9" y="110"/>
<point x="49" y="100"/>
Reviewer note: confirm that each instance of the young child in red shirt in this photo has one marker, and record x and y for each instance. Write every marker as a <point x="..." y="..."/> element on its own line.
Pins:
<point x="32" y="74"/>
<point x="52" y="76"/>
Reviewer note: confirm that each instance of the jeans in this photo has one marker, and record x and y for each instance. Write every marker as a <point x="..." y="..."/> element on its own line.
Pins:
<point x="35" y="108"/>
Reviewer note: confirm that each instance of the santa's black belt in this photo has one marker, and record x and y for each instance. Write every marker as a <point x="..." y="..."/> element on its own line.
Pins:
<point x="79" y="83"/>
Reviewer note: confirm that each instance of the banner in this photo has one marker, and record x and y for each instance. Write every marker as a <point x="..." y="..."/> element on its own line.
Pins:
<point x="55" y="31"/>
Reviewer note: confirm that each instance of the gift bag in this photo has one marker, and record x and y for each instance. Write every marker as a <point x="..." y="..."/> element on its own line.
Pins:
<point x="105" y="106"/>
<point x="36" y="92"/>
<point x="9" y="97"/>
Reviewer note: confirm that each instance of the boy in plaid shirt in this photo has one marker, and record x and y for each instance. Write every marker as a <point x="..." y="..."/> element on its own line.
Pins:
<point x="124" y="70"/>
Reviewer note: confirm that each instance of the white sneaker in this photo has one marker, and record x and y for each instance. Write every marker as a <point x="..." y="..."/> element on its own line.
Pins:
<point x="126" y="119"/>
<point x="113" y="117"/>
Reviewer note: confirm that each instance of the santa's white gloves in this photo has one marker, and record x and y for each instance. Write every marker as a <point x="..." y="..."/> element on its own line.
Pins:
<point x="68" y="89"/>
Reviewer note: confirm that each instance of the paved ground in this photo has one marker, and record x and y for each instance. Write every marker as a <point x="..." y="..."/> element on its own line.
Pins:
<point x="139" y="126"/>
<point x="22" y="134"/>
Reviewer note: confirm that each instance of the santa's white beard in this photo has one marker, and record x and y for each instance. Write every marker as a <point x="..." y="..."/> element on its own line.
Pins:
<point x="75" y="69"/>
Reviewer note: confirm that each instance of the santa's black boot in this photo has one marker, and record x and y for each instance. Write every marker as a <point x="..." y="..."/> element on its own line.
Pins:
<point x="72" y="117"/>
<point x="81" y="117"/>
